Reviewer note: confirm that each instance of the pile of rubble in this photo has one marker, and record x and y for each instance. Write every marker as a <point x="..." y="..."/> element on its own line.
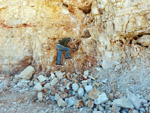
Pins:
<point x="77" y="90"/>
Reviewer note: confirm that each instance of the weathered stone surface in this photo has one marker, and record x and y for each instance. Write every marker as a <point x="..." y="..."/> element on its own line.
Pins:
<point x="88" y="88"/>
<point x="41" y="78"/>
<point x="147" y="97"/>
<point x="93" y="94"/>
<point x="35" y="28"/>
<point x="59" y="74"/>
<point x="90" y="104"/>
<point x="47" y="86"/>
<point x="61" y="102"/>
<point x="38" y="87"/>
<point x="134" y="99"/>
<point x="80" y="92"/>
<point x="71" y="101"/>
<point x="144" y="40"/>
<point x="57" y="97"/>
<point x="23" y="83"/>
<point x="123" y="102"/>
<point x="40" y="96"/>
<point x="26" y="73"/>
<point x="54" y="81"/>
<point x="75" y="86"/>
<point x="78" y="104"/>
<point x="97" y="112"/>
<point x="101" y="99"/>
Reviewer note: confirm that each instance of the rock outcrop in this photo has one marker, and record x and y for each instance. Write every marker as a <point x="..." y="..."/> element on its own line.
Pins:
<point x="107" y="33"/>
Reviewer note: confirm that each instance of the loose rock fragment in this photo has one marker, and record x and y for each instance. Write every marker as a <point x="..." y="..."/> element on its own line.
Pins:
<point x="57" y="97"/>
<point x="101" y="99"/>
<point x="93" y="94"/>
<point x="61" y="102"/>
<point x="86" y="72"/>
<point x="54" y="81"/>
<point x="23" y="83"/>
<point x="80" y="92"/>
<point x="47" y="86"/>
<point x="41" y="78"/>
<point x="38" y="87"/>
<point x="97" y="112"/>
<point x="78" y="104"/>
<point x="85" y="82"/>
<point x="90" y="103"/>
<point x="88" y="88"/>
<point x="135" y="100"/>
<point x="75" y="86"/>
<point x="71" y="101"/>
<point x="26" y="73"/>
<point x="123" y="102"/>
<point x="40" y="96"/>
<point x="59" y="74"/>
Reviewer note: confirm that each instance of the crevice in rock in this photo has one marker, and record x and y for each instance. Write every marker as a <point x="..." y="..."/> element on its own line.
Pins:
<point x="65" y="5"/>
<point x="86" y="11"/>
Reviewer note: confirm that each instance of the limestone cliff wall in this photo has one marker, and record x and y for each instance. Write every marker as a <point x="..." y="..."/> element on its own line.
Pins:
<point x="109" y="31"/>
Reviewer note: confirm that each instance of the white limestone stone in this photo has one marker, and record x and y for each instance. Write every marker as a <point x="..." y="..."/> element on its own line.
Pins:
<point x="80" y="92"/>
<point x="38" y="87"/>
<point x="75" y="86"/>
<point x="101" y="99"/>
<point x="40" y="96"/>
<point x="41" y="78"/>
<point x="88" y="88"/>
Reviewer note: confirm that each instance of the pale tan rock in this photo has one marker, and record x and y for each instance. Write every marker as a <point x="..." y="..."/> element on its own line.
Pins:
<point x="144" y="40"/>
<point x="93" y="94"/>
<point x="61" y="102"/>
<point x="26" y="73"/>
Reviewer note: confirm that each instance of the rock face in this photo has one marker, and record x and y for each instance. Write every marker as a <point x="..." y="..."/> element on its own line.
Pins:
<point x="106" y="32"/>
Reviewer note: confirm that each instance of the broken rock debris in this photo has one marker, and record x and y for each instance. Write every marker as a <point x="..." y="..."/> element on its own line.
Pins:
<point x="68" y="92"/>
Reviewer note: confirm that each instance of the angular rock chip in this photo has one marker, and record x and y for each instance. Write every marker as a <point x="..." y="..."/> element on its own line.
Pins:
<point x="93" y="94"/>
<point x="123" y="102"/>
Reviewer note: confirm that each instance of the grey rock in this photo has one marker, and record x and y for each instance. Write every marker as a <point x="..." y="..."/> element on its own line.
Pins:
<point x="71" y="101"/>
<point x="97" y="112"/>
<point x="101" y="99"/>
<point x="80" y="92"/>
<point x="100" y="108"/>
<point x="75" y="86"/>
<point x="123" y="102"/>
<point x="57" y="97"/>
<point x="61" y="102"/>
<point x="133" y="111"/>
<point x="23" y="83"/>
<point x="85" y="82"/>
<point x="142" y="110"/>
<point x="147" y="97"/>
<point x="86" y="72"/>
<point x="59" y="74"/>
<point x="26" y="73"/>
<point x="88" y="88"/>
<point x="54" y="81"/>
<point x="47" y="86"/>
<point x="116" y="109"/>
<point x="41" y="78"/>
<point x="134" y="99"/>
<point x="38" y="87"/>
<point x="143" y="101"/>
<point x="40" y="96"/>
